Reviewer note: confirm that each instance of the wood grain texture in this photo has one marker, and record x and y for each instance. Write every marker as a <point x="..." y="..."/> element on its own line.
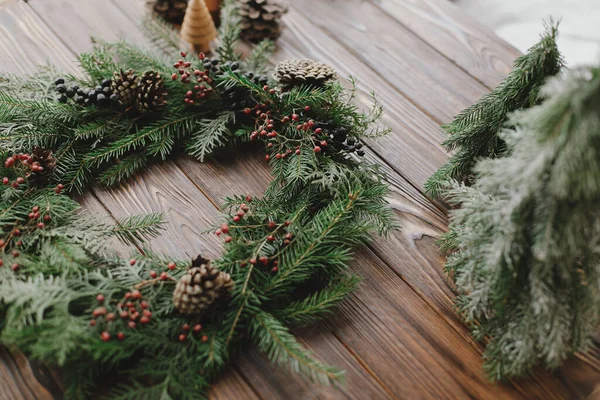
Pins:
<point x="398" y="336"/>
<point x="443" y="26"/>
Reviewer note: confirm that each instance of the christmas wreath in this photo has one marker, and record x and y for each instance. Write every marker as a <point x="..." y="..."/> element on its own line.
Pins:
<point x="169" y="327"/>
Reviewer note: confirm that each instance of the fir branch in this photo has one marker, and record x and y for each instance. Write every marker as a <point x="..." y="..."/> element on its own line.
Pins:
<point x="275" y="340"/>
<point x="209" y="134"/>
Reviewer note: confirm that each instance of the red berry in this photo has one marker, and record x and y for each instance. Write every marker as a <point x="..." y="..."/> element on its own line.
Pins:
<point x="5" y="181"/>
<point x="278" y="156"/>
<point x="153" y="274"/>
<point x="40" y="225"/>
<point x="306" y="108"/>
<point x="15" y="253"/>
<point x="244" y="208"/>
<point x="252" y="261"/>
<point x="14" y="185"/>
<point x="263" y="260"/>
<point x="318" y="131"/>
<point x="228" y="239"/>
<point x="248" y="198"/>
<point x="93" y="322"/>
<point x="174" y="77"/>
<point x="121" y="336"/>
<point x="272" y="91"/>
<point x="324" y="143"/>
<point x="204" y="338"/>
<point x="98" y="312"/>
<point x="136" y="294"/>
<point x="237" y="218"/>
<point x="224" y="228"/>
<point x="144" y="304"/>
<point x="131" y="324"/>
<point x="197" y="328"/>
<point x="163" y="276"/>
<point x="310" y="123"/>
<point x="218" y="232"/>
<point x="288" y="235"/>
<point x="171" y="266"/>
<point x="14" y="267"/>
<point x="274" y="269"/>
<point x="270" y="238"/>
<point x="1" y="262"/>
<point x="105" y="336"/>
<point x="186" y="327"/>
<point x="247" y="111"/>
<point x="20" y="180"/>
<point x="295" y="117"/>
<point x="297" y="151"/>
<point x="110" y="317"/>
<point x="271" y="225"/>
<point x="100" y="298"/>
<point x="317" y="149"/>
<point x="47" y="218"/>
<point x="10" y="162"/>
<point x="144" y="320"/>
<point x="132" y="262"/>
<point x="267" y="157"/>
<point x="241" y="212"/>
<point x="182" y="337"/>
<point x="124" y="314"/>
<point x="60" y="186"/>
<point x="265" y="88"/>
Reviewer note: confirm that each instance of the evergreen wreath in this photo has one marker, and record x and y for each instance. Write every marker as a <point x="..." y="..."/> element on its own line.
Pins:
<point x="169" y="327"/>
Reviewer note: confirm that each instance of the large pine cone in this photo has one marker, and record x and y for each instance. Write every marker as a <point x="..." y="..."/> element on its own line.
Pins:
<point x="151" y="92"/>
<point x="261" y="19"/>
<point x="172" y="11"/>
<point x="303" y="72"/>
<point x="124" y="85"/>
<point x="43" y="164"/>
<point x="200" y="287"/>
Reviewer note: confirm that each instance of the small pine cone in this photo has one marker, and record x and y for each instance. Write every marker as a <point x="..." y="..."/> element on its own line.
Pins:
<point x="43" y="164"/>
<point x="124" y="85"/>
<point x="172" y="11"/>
<point x="200" y="287"/>
<point x="303" y="72"/>
<point x="261" y="19"/>
<point x="151" y="92"/>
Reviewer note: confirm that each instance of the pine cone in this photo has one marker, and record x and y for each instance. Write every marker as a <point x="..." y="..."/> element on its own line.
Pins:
<point x="261" y="19"/>
<point x="303" y="72"/>
<point x="150" y="91"/>
<point x="124" y="85"/>
<point x="43" y="165"/>
<point x="172" y="11"/>
<point x="200" y="287"/>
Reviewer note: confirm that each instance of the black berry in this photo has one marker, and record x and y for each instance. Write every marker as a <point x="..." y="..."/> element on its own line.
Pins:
<point x="61" y="88"/>
<point x="62" y="98"/>
<point x="59" y="81"/>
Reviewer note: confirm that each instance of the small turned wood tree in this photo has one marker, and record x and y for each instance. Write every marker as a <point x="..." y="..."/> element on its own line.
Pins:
<point x="198" y="28"/>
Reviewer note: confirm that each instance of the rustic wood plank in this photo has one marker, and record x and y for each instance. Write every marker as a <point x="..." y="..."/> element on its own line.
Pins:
<point x="442" y="25"/>
<point x="431" y="81"/>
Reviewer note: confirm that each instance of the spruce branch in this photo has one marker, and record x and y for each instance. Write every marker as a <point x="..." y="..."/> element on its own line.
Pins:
<point x="474" y="132"/>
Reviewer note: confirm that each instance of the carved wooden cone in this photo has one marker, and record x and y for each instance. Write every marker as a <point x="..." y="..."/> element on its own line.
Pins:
<point x="198" y="28"/>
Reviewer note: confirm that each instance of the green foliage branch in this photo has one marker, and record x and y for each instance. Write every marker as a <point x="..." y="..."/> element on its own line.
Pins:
<point x="56" y="260"/>
<point x="526" y="234"/>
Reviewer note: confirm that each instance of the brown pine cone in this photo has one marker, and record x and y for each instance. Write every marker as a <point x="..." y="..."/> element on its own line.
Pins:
<point x="292" y="73"/>
<point x="151" y="93"/>
<point x="200" y="287"/>
<point x="124" y="85"/>
<point x="172" y="11"/>
<point x="261" y="19"/>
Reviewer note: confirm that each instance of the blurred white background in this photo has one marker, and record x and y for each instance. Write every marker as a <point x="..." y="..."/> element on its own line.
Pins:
<point x="519" y="22"/>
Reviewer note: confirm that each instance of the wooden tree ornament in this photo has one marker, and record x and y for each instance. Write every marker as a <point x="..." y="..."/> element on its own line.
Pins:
<point x="198" y="28"/>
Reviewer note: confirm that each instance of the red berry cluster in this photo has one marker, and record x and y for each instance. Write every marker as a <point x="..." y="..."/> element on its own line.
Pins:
<point x="187" y="329"/>
<point x="200" y="77"/>
<point x="163" y="276"/>
<point x="127" y="313"/>
<point x="23" y="166"/>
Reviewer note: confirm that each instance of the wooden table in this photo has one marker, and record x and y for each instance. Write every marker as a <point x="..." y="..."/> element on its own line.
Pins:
<point x="397" y="336"/>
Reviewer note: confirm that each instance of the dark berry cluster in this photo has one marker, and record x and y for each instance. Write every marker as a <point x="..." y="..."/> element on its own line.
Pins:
<point x="100" y="96"/>
<point x="202" y="79"/>
<point x="237" y="97"/>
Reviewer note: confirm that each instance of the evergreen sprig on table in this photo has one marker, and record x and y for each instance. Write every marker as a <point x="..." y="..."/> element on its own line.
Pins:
<point x="527" y="233"/>
<point x="66" y="299"/>
<point x="473" y="133"/>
